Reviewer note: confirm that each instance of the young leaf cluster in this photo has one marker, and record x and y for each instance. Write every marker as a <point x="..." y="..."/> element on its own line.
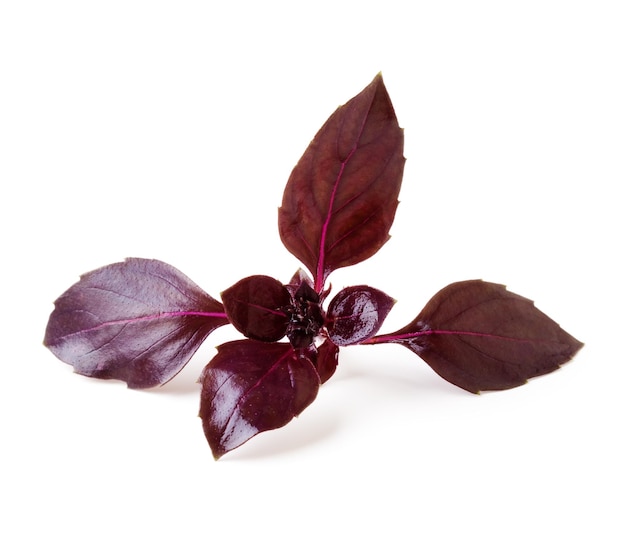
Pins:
<point x="141" y="320"/>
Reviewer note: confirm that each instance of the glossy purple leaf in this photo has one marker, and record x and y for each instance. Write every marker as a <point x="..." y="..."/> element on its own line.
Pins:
<point x="257" y="307"/>
<point x="481" y="337"/>
<point x="341" y="198"/>
<point x="139" y="321"/>
<point x="356" y="313"/>
<point x="250" y="387"/>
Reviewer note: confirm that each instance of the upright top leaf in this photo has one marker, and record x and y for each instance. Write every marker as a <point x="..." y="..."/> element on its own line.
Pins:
<point x="341" y="197"/>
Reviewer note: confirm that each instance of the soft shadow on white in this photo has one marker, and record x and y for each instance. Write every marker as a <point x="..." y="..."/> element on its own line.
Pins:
<point x="295" y="436"/>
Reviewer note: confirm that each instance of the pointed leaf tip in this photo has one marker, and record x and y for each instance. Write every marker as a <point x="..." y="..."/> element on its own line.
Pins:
<point x="341" y="197"/>
<point x="357" y="313"/>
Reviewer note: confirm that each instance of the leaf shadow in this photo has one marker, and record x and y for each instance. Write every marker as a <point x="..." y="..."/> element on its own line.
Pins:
<point x="185" y="382"/>
<point x="414" y="381"/>
<point x="292" y="438"/>
<point x="328" y="418"/>
<point x="179" y="387"/>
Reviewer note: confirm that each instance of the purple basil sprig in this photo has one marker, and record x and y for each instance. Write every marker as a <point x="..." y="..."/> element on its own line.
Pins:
<point x="141" y="320"/>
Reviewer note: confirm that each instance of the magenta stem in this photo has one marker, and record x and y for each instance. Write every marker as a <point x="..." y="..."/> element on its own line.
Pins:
<point x="396" y="338"/>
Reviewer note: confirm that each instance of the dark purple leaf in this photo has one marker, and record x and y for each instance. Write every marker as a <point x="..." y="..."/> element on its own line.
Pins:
<point x="257" y="306"/>
<point x="250" y="387"/>
<point x="341" y="198"/>
<point x="356" y="313"/>
<point x="139" y="321"/>
<point x="299" y="277"/>
<point x="301" y="286"/>
<point x="326" y="360"/>
<point x="482" y="337"/>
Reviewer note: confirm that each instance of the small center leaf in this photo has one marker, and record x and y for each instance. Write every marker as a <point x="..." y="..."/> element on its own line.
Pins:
<point x="257" y="307"/>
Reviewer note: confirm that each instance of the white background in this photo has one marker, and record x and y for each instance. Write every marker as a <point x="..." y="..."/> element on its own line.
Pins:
<point x="168" y="129"/>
